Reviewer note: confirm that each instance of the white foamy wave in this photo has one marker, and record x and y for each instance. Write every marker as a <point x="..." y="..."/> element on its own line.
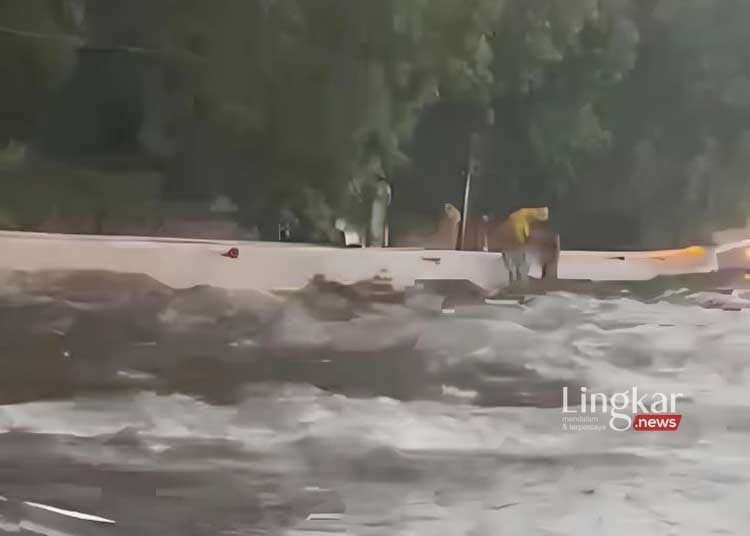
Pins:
<point x="480" y="447"/>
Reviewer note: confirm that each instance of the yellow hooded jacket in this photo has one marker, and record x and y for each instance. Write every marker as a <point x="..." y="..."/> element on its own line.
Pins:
<point x="521" y="220"/>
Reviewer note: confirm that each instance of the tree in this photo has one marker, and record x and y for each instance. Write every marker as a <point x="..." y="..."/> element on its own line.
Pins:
<point x="554" y="61"/>
<point x="329" y="91"/>
<point x="680" y="122"/>
<point x="37" y="53"/>
<point x="627" y="105"/>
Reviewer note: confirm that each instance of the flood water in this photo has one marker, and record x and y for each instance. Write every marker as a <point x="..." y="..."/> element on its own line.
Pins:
<point x="208" y="412"/>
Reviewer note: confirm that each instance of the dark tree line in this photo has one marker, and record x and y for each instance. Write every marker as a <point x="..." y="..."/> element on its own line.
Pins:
<point x="629" y="118"/>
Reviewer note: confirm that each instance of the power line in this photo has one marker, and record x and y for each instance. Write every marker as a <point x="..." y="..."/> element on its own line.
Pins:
<point x="36" y="35"/>
<point x="122" y="48"/>
<point x="64" y="37"/>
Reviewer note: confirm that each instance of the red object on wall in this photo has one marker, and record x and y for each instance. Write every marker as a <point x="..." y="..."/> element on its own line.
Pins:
<point x="232" y="253"/>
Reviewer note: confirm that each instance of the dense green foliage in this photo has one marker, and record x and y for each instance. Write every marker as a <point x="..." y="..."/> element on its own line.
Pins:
<point x="630" y="118"/>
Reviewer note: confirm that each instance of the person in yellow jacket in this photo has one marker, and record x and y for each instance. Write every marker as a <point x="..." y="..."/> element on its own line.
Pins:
<point x="515" y="257"/>
<point x="524" y="233"/>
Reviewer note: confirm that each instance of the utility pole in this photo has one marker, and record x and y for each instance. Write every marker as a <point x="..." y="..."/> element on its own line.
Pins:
<point x="473" y="145"/>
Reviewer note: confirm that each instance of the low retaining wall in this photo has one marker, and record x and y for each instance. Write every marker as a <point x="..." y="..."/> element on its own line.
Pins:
<point x="635" y="265"/>
<point x="266" y="266"/>
<point x="261" y="266"/>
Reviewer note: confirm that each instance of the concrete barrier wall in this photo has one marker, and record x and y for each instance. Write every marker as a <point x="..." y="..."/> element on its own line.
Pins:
<point x="260" y="265"/>
<point x="265" y="266"/>
<point x="734" y="254"/>
<point x="634" y="265"/>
